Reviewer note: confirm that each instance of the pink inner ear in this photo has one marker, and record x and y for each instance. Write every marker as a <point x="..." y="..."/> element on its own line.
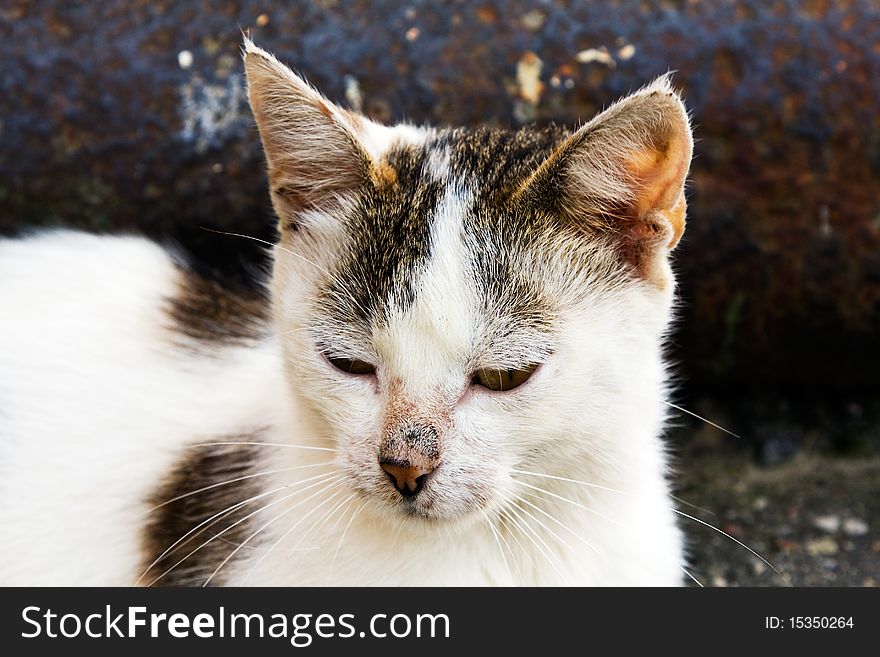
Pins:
<point x="659" y="176"/>
<point x="659" y="179"/>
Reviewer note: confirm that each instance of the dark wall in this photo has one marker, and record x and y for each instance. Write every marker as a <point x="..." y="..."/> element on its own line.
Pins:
<point x="102" y="127"/>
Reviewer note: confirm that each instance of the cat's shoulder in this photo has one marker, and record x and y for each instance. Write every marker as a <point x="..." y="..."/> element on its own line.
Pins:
<point x="47" y="267"/>
<point x="49" y="251"/>
<point x="101" y="280"/>
<point x="116" y="355"/>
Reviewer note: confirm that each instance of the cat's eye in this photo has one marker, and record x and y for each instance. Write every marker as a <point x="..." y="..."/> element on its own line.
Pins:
<point x="500" y="380"/>
<point x="352" y="365"/>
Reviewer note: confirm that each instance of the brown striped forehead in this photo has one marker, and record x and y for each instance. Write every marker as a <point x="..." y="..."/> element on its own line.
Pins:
<point x="497" y="161"/>
<point x="392" y="224"/>
<point x="390" y="231"/>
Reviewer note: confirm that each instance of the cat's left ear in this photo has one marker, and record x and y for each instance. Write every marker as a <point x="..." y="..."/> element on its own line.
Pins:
<point x="313" y="147"/>
<point x="623" y="174"/>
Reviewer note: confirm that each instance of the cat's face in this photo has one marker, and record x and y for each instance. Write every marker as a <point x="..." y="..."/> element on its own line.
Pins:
<point x="460" y="305"/>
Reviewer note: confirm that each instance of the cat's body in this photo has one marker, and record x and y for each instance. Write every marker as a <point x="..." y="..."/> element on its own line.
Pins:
<point x="457" y="377"/>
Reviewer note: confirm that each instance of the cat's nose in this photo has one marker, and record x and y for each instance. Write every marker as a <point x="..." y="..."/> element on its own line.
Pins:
<point x="409" y="479"/>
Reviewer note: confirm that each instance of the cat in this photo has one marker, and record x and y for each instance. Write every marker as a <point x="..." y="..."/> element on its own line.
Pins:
<point x="455" y="375"/>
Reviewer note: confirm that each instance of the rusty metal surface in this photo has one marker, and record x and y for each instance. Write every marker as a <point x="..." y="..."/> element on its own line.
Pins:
<point x="130" y="115"/>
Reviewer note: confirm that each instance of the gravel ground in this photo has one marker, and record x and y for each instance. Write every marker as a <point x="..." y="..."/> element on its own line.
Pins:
<point x="809" y="507"/>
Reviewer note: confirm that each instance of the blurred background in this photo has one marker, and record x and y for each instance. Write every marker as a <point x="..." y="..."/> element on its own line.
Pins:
<point x="130" y="115"/>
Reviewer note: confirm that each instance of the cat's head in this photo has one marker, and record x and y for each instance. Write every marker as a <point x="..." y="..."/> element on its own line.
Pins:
<point x="462" y="305"/>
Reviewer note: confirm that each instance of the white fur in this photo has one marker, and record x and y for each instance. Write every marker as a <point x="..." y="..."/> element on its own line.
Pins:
<point x="377" y="138"/>
<point x="96" y="406"/>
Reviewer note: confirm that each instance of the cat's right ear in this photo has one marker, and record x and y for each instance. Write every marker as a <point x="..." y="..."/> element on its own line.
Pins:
<point x="312" y="148"/>
<point x="622" y="175"/>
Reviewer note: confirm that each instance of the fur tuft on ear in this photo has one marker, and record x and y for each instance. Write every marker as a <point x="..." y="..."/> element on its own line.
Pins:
<point x="312" y="148"/>
<point x="624" y="172"/>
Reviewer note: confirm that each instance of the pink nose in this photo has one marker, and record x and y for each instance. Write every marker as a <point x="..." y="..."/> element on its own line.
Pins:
<point x="408" y="479"/>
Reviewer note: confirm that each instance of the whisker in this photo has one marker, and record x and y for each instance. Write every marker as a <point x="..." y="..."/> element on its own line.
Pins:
<point x="693" y="506"/>
<point x="509" y="550"/>
<point x="673" y="509"/>
<point x="700" y="417"/>
<point x="260" y="548"/>
<point x="525" y="529"/>
<point x="604" y="457"/>
<point x="523" y="551"/>
<point x="551" y="532"/>
<point x="561" y="524"/>
<point x="738" y="542"/>
<point x="533" y="533"/>
<point x="336" y="494"/>
<point x="500" y="549"/>
<point x="256" y="533"/>
<point x="571" y="481"/>
<point x="216" y="536"/>
<point x="283" y="333"/>
<point x="257" y="565"/>
<point x="230" y="542"/>
<point x="275" y="545"/>
<point x="239" y="505"/>
<point x="272" y="245"/>
<point x="314" y="530"/>
<point x="228" y="509"/>
<point x="232" y="481"/>
<point x="268" y="524"/>
<point x="501" y="518"/>
<point x="238" y="522"/>
<point x="230" y="442"/>
<point x="295" y="255"/>
<point x="699" y="583"/>
<point x="565" y="499"/>
<point x="342" y="538"/>
<point x="335" y="522"/>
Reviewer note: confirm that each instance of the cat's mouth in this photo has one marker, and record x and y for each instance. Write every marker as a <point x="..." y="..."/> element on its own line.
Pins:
<point x="412" y="509"/>
<point x="423" y="506"/>
<point x="427" y="513"/>
<point x="439" y="505"/>
<point x="438" y="500"/>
